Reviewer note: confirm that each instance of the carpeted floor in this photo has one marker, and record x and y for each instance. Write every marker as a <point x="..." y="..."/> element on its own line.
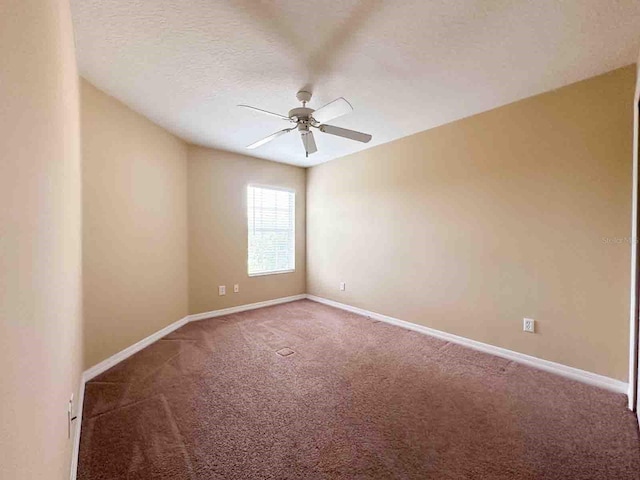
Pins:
<point x="358" y="399"/>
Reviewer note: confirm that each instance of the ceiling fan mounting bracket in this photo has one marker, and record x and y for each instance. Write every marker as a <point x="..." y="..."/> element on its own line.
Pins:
<point x="303" y="96"/>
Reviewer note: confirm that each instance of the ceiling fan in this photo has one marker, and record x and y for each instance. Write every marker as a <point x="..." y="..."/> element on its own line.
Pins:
<point x="306" y="118"/>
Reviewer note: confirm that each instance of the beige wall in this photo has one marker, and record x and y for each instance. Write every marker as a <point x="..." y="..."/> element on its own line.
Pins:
<point x="218" y="229"/>
<point x="469" y="227"/>
<point x="135" y="225"/>
<point x="40" y="288"/>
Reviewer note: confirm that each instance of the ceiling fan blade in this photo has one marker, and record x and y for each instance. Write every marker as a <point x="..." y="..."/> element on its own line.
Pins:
<point x="265" y="112"/>
<point x="269" y="138"/>
<point x="332" y="110"/>
<point x="309" y="142"/>
<point x="343" y="132"/>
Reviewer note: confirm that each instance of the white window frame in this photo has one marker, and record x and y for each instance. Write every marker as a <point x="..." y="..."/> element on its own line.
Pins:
<point x="246" y="210"/>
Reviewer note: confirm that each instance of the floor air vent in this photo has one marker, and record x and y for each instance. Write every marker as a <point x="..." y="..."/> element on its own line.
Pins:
<point x="285" y="352"/>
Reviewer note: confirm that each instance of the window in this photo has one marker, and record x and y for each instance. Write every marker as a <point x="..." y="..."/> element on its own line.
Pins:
<point x="271" y="222"/>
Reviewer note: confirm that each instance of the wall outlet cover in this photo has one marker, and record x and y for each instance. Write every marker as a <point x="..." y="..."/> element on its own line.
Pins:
<point x="529" y="325"/>
<point x="343" y="286"/>
<point x="236" y="288"/>
<point x="222" y="290"/>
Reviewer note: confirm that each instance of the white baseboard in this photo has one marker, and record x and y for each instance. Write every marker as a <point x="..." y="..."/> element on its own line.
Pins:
<point x="583" y="376"/>
<point x="244" y="308"/>
<point x="553" y="367"/>
<point x="75" y="449"/>
<point x="557" y="368"/>
<point x="145" y="342"/>
<point x="127" y="352"/>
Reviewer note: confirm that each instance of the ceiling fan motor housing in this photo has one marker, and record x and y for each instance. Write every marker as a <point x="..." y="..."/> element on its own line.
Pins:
<point x="300" y="113"/>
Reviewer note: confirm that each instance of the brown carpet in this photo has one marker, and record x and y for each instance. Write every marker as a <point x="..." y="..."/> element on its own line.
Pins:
<point x="357" y="399"/>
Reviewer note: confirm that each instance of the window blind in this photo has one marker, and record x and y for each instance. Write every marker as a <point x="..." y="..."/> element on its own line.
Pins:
<point x="271" y="222"/>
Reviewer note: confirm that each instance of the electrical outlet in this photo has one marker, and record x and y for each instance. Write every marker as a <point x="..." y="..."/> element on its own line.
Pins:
<point x="222" y="290"/>
<point x="343" y="286"/>
<point x="236" y="288"/>
<point x="529" y="325"/>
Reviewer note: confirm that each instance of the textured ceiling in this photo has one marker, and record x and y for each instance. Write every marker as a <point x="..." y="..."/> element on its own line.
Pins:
<point x="405" y="66"/>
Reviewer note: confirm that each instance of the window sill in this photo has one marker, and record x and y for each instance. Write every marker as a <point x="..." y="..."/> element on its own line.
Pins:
<point x="271" y="273"/>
